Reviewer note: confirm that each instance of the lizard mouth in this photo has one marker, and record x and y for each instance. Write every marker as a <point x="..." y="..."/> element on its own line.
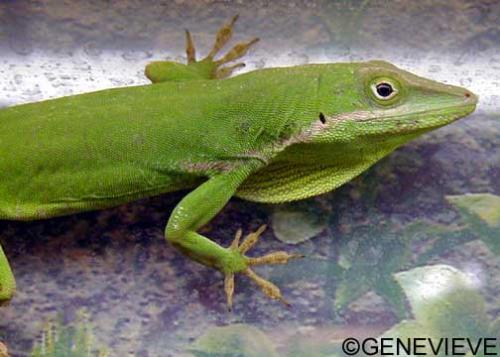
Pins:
<point x="431" y="119"/>
<point x="452" y="112"/>
<point x="405" y="121"/>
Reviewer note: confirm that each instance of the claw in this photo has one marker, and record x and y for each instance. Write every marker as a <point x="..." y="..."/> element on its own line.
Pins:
<point x="3" y="350"/>
<point x="268" y="288"/>
<point x="225" y="72"/>
<point x="238" y="51"/>
<point x="229" y="289"/>
<point x="251" y="239"/>
<point x="223" y="36"/>
<point x="274" y="258"/>
<point x="190" y="49"/>
<point x="236" y="241"/>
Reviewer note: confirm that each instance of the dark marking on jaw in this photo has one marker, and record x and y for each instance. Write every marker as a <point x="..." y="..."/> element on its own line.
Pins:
<point x="322" y="118"/>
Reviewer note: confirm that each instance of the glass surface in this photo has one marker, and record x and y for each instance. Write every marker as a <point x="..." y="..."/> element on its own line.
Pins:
<point x="401" y="250"/>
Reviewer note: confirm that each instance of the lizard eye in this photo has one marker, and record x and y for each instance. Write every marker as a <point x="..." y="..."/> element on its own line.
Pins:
<point x="384" y="90"/>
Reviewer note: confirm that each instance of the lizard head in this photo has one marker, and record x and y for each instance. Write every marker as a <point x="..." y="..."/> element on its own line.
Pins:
<point x="346" y="117"/>
<point x="376" y="101"/>
<point x="351" y="116"/>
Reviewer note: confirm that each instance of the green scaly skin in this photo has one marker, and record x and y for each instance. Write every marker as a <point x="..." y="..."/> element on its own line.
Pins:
<point x="271" y="135"/>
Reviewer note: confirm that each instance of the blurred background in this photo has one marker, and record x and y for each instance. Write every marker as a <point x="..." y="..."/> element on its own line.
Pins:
<point x="409" y="248"/>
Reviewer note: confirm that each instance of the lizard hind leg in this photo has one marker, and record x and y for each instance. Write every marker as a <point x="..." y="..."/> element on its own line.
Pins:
<point x="222" y="38"/>
<point x="269" y="289"/>
<point x="208" y="67"/>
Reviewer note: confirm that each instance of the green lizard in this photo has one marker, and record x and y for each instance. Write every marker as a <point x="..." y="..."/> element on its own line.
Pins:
<point x="271" y="135"/>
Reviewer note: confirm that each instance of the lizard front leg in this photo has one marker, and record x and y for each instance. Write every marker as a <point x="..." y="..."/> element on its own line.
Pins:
<point x="7" y="282"/>
<point x="199" y="207"/>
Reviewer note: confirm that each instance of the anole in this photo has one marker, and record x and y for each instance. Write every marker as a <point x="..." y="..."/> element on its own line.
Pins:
<point x="270" y="135"/>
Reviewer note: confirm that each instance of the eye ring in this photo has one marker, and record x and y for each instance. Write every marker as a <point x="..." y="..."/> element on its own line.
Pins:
<point x="384" y="90"/>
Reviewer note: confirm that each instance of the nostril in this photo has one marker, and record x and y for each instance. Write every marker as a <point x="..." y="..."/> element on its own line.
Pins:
<point x="467" y="95"/>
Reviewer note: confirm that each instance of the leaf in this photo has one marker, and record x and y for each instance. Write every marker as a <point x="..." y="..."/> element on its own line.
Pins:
<point x="446" y="303"/>
<point x="481" y="212"/>
<point x="445" y="241"/>
<point x="370" y="256"/>
<point x="74" y="340"/>
<point x="486" y="206"/>
<point x="297" y="223"/>
<point x="495" y="327"/>
<point x="238" y="340"/>
<point x="389" y="290"/>
<point x="300" y="346"/>
<point x="405" y="330"/>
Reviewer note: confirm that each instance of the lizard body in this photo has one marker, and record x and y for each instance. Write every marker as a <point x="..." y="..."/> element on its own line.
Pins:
<point x="271" y="135"/>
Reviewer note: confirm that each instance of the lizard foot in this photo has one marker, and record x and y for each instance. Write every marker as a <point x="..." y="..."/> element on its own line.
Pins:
<point x="223" y="36"/>
<point x="268" y="288"/>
